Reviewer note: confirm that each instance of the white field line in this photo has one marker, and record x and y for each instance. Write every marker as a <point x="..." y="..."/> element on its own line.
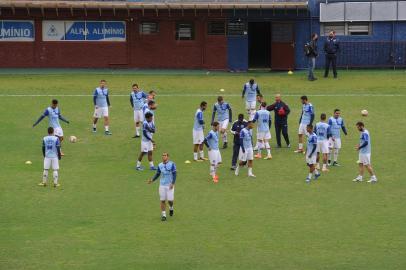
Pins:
<point x="207" y="95"/>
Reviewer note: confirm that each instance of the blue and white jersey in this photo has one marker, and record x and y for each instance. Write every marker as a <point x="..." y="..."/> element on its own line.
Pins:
<point x="51" y="144"/>
<point x="53" y="116"/>
<point x="167" y="171"/>
<point x="101" y="97"/>
<point x="138" y="100"/>
<point x="336" y="124"/>
<point x="198" y="120"/>
<point x="251" y="92"/>
<point x="311" y="142"/>
<point x="222" y="111"/>
<point x="365" y="138"/>
<point x="213" y="140"/>
<point x="322" y="130"/>
<point x="307" y="113"/>
<point x="145" y="109"/>
<point x="262" y="117"/>
<point x="246" y="137"/>
<point x="148" y="129"/>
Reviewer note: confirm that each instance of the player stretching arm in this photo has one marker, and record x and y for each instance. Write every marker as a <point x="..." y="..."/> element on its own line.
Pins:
<point x="167" y="172"/>
<point x="224" y="116"/>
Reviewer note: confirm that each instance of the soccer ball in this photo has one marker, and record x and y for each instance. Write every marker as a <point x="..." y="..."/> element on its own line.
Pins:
<point x="73" y="139"/>
<point x="364" y="113"/>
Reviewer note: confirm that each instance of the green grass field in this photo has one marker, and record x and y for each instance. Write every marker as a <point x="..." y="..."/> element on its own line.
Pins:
<point x="105" y="216"/>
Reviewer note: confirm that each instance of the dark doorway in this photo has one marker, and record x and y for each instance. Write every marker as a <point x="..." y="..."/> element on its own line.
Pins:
<point x="259" y="44"/>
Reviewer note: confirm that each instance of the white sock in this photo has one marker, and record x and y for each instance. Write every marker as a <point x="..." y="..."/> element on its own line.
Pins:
<point x="106" y="128"/>
<point x="324" y="166"/>
<point x="300" y="146"/>
<point x="163" y="213"/>
<point x="335" y="155"/>
<point x="138" y="163"/>
<point x="171" y="207"/>
<point x="151" y="164"/>
<point x="268" y="148"/>
<point x="359" y="176"/>
<point x="45" y="176"/>
<point x="201" y="154"/>
<point x="56" y="177"/>
<point x="310" y="176"/>
<point x="195" y="155"/>
<point x="212" y="170"/>
<point x="237" y="170"/>
<point x="137" y="131"/>
<point x="249" y="171"/>
<point x="316" y="171"/>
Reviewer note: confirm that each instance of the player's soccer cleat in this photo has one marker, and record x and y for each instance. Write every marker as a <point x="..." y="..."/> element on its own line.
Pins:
<point x="198" y="160"/>
<point x="108" y="133"/>
<point x="171" y="212"/>
<point x="329" y="163"/>
<point x="335" y="163"/>
<point x="316" y="176"/>
<point x="225" y="145"/>
<point x="288" y="146"/>
<point x="216" y="179"/>
<point x="139" y="168"/>
<point x="153" y="168"/>
<point x="252" y="175"/>
<point x="358" y="179"/>
<point x="57" y="185"/>
<point x="94" y="130"/>
<point x="258" y="156"/>
<point x="373" y="180"/>
<point x="268" y="157"/>
<point x="233" y="168"/>
<point x="307" y="180"/>
<point x="42" y="184"/>
<point x="203" y="159"/>
<point x="299" y="151"/>
<point x="136" y="136"/>
<point x="325" y="170"/>
<point x="163" y="218"/>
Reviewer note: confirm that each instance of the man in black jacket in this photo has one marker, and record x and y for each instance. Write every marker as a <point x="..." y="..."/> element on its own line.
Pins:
<point x="281" y="110"/>
<point x="331" y="47"/>
<point x="235" y="130"/>
<point x="312" y="53"/>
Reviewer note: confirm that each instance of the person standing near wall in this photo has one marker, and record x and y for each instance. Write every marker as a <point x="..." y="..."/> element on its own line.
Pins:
<point x="312" y="53"/>
<point x="331" y="47"/>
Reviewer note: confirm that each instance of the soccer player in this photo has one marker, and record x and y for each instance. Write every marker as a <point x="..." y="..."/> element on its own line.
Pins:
<point x="263" y="116"/>
<point x="167" y="171"/>
<point x="251" y="89"/>
<point x="260" y="99"/>
<point x="212" y="143"/>
<point x="306" y="118"/>
<point x="336" y="123"/>
<point x="147" y="143"/>
<point x="364" y="159"/>
<point x="151" y="95"/>
<point x="137" y="100"/>
<point x="54" y="114"/>
<point x="246" y="152"/>
<point x="51" y="150"/>
<point x="323" y="134"/>
<point x="224" y="116"/>
<point x="101" y="103"/>
<point x="311" y="154"/>
<point x="235" y="130"/>
<point x="198" y="135"/>
<point x="149" y="107"/>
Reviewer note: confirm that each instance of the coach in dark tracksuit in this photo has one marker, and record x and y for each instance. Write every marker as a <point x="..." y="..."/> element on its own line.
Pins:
<point x="235" y="130"/>
<point x="331" y="47"/>
<point x="281" y="110"/>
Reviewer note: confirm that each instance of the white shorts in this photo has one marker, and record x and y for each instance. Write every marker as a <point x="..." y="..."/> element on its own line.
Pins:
<point x="250" y="105"/>
<point x="138" y="116"/>
<point x="51" y="163"/>
<point x="248" y="155"/>
<point x="322" y="147"/>
<point x="364" y="159"/>
<point x="146" y="146"/>
<point x="215" y="157"/>
<point x="302" y="129"/>
<point x="264" y="135"/>
<point x="224" y="124"/>
<point x="101" y="112"/>
<point x="166" y="194"/>
<point x="58" y="132"/>
<point x="336" y="143"/>
<point x="198" y="136"/>
<point x="311" y="160"/>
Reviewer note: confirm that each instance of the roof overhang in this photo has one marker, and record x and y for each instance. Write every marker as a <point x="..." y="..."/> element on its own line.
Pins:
<point x="153" y="5"/>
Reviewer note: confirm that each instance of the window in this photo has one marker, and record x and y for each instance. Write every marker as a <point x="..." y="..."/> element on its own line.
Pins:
<point x="185" y="31"/>
<point x="236" y="28"/>
<point x="147" y="28"/>
<point x="346" y="29"/>
<point x="216" y="28"/>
